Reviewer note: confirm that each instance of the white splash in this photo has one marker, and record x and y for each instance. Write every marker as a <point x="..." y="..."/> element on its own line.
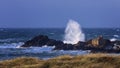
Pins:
<point x="73" y="33"/>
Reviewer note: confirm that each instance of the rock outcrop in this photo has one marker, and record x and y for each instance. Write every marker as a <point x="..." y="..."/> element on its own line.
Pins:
<point x="98" y="44"/>
<point x="37" y="41"/>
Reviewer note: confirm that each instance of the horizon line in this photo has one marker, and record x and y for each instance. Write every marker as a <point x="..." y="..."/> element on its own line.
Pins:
<point x="49" y="27"/>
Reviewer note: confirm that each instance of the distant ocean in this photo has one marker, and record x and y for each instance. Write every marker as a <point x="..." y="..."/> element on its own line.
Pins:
<point x="12" y="38"/>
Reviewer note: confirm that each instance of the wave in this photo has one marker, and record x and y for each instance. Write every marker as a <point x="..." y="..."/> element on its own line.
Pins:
<point x="48" y="50"/>
<point x="10" y="40"/>
<point x="39" y="49"/>
<point x="116" y="36"/>
<point x="13" y="50"/>
<point x="1" y="29"/>
<point x="52" y="33"/>
<point x="113" y="39"/>
<point x="118" y="30"/>
<point x="6" y="40"/>
<point x="11" y="45"/>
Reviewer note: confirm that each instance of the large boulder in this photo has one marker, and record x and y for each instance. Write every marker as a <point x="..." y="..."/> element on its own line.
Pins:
<point x="98" y="42"/>
<point x="42" y="40"/>
<point x="37" y="41"/>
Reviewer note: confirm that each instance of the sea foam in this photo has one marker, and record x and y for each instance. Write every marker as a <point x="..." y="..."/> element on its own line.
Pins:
<point x="113" y="39"/>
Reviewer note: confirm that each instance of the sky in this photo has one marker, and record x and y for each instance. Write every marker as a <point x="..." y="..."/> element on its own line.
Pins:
<point x="57" y="13"/>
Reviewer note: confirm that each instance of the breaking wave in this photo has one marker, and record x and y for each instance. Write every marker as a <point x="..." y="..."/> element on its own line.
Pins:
<point x="73" y="33"/>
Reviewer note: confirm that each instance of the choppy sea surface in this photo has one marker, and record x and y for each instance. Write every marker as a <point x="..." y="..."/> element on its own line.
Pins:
<point x="12" y="38"/>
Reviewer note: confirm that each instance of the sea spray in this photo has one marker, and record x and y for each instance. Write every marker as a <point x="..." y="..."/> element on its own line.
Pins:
<point x="73" y="33"/>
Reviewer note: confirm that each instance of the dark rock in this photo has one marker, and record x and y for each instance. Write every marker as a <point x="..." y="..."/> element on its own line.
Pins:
<point x="79" y="45"/>
<point x="68" y="47"/>
<point x="64" y="47"/>
<point x="51" y="42"/>
<point x="42" y="40"/>
<point x="96" y="45"/>
<point x="36" y="41"/>
<point x="59" y="45"/>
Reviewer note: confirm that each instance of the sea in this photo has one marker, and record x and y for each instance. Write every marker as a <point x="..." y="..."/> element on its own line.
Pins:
<point x="12" y="38"/>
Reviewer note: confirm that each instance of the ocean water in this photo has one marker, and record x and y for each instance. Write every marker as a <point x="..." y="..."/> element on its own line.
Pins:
<point x="12" y="38"/>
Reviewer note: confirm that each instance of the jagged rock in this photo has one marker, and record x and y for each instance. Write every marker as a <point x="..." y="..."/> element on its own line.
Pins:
<point x="59" y="45"/>
<point x="64" y="47"/>
<point x="37" y="41"/>
<point x="79" y="45"/>
<point x="68" y="47"/>
<point x="42" y="40"/>
<point x="98" y="44"/>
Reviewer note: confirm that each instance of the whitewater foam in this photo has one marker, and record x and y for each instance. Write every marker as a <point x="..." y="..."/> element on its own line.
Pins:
<point x="73" y="33"/>
<point x="113" y="39"/>
<point x="11" y="45"/>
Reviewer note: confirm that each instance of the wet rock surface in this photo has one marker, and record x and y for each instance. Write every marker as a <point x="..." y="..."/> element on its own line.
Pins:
<point x="96" y="45"/>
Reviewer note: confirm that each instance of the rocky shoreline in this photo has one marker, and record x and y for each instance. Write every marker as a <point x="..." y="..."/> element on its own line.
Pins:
<point x="96" y="45"/>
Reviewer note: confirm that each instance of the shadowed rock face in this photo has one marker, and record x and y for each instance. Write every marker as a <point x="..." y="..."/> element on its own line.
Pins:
<point x="41" y="40"/>
<point x="37" y="41"/>
<point x="98" y="44"/>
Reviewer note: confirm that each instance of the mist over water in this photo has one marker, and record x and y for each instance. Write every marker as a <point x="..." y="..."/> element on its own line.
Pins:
<point x="73" y="33"/>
